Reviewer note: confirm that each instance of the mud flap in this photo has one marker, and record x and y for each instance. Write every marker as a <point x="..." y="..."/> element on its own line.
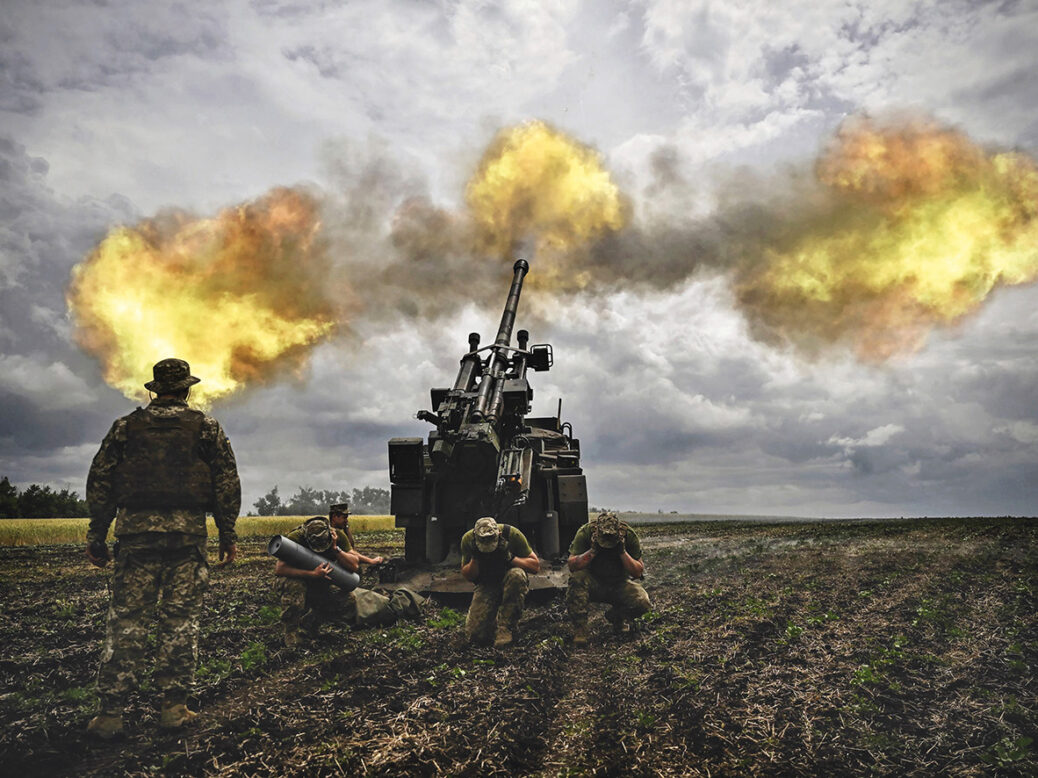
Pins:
<point x="434" y="551"/>
<point x="549" y="535"/>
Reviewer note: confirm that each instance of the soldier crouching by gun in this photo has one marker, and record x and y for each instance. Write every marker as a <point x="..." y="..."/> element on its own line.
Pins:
<point x="497" y="558"/>
<point x="308" y="597"/>
<point x="157" y="473"/>
<point x="604" y="556"/>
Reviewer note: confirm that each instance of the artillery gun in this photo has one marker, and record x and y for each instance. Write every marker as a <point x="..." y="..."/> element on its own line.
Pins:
<point x="486" y="456"/>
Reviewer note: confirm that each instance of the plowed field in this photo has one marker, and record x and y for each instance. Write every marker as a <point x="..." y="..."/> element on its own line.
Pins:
<point x="882" y="648"/>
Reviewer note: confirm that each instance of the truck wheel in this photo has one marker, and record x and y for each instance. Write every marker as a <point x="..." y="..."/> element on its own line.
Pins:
<point x="414" y="544"/>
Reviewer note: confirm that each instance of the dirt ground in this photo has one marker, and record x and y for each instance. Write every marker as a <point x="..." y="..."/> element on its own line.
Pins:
<point x="888" y="648"/>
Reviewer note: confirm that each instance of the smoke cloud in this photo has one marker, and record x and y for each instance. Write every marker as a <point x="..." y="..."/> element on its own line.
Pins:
<point x="899" y="226"/>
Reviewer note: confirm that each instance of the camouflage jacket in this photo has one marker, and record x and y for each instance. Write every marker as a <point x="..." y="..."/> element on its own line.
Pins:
<point x="215" y="451"/>
<point x="606" y="565"/>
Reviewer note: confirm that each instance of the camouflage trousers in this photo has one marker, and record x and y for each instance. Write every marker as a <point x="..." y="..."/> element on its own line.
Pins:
<point x="306" y="604"/>
<point x="492" y="603"/>
<point x="627" y="598"/>
<point x="167" y="585"/>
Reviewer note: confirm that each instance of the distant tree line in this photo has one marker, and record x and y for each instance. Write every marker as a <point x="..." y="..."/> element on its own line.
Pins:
<point x="42" y="502"/>
<point x="314" y="502"/>
<point x="39" y="502"/>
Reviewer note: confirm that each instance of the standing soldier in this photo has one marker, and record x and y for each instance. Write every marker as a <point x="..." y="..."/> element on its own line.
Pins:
<point x="604" y="556"/>
<point x="157" y="474"/>
<point x="497" y="558"/>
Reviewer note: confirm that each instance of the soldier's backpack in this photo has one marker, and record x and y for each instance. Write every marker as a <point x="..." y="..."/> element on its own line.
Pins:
<point x="162" y="465"/>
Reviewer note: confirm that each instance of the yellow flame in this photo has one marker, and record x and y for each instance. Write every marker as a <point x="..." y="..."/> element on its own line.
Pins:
<point x="928" y="224"/>
<point x="238" y="296"/>
<point x="536" y="183"/>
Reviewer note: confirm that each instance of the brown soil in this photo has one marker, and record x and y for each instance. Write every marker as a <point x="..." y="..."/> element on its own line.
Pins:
<point x="888" y="648"/>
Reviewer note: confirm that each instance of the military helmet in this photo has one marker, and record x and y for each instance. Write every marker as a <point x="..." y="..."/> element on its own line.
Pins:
<point x="171" y="375"/>
<point x="318" y="534"/>
<point x="486" y="533"/>
<point x="606" y="529"/>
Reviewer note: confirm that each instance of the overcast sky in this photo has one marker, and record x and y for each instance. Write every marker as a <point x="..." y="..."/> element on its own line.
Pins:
<point x="111" y="111"/>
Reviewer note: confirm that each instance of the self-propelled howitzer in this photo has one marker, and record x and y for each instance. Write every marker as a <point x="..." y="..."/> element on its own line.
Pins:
<point x="486" y="457"/>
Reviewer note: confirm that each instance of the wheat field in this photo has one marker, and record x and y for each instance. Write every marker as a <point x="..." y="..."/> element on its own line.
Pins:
<point x="36" y="532"/>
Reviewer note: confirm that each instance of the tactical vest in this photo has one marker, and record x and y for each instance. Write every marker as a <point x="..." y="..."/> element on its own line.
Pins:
<point x="162" y="466"/>
<point x="607" y="566"/>
<point x="494" y="564"/>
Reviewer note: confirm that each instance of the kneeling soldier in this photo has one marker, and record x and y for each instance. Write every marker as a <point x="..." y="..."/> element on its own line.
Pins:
<point x="497" y="558"/>
<point x="308" y="596"/>
<point x="604" y="556"/>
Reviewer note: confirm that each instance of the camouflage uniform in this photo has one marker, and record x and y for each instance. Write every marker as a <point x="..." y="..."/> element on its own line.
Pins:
<point x="305" y="603"/>
<point x="500" y="589"/>
<point x="161" y="561"/>
<point x="605" y="579"/>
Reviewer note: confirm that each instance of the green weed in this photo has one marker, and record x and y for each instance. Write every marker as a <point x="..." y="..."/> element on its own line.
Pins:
<point x="255" y="655"/>
<point x="1009" y="752"/>
<point x="823" y="618"/>
<point x="448" y="619"/>
<point x="217" y="669"/>
<point x="793" y="632"/>
<point x="866" y="674"/>
<point x="644" y="720"/>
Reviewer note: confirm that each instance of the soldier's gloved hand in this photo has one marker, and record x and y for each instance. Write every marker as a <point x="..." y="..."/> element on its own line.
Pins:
<point x="228" y="553"/>
<point x="97" y="553"/>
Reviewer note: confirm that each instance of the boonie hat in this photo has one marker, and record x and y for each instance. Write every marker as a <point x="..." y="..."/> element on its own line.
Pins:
<point x="342" y="507"/>
<point x="171" y="375"/>
<point x="606" y="528"/>
<point x="486" y="533"/>
<point x="318" y="534"/>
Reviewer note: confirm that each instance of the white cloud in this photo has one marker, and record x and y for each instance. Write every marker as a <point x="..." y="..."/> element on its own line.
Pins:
<point x="879" y="436"/>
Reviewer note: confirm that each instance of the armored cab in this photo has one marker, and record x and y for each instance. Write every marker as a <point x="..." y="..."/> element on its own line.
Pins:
<point x="486" y="457"/>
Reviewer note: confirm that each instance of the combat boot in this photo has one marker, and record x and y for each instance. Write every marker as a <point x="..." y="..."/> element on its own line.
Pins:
<point x="106" y="726"/>
<point x="579" y="635"/>
<point x="503" y="637"/>
<point x="616" y="620"/>
<point x="175" y="715"/>
<point x="292" y="639"/>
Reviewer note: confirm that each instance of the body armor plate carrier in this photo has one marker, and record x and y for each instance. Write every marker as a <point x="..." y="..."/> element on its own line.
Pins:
<point x="494" y="565"/>
<point x="162" y="466"/>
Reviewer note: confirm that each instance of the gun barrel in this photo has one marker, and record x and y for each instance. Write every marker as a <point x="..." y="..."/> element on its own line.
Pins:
<point x="489" y="390"/>
<point x="504" y="332"/>
<point x="292" y="553"/>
